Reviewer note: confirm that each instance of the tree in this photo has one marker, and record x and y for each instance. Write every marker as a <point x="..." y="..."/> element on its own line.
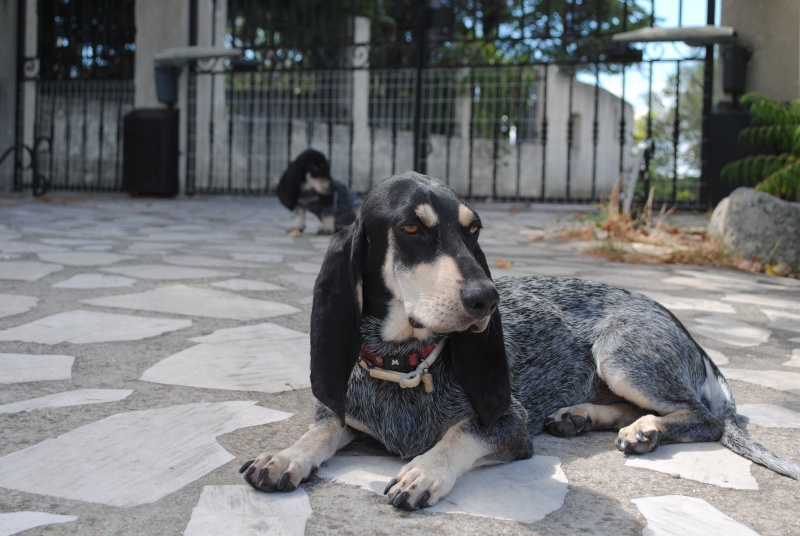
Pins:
<point x="678" y="142"/>
<point x="775" y="135"/>
<point x="311" y="33"/>
<point x="86" y="39"/>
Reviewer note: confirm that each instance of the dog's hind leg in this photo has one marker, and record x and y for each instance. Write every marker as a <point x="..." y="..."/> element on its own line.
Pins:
<point x="299" y="222"/>
<point x="664" y="372"/>
<point x="582" y="418"/>
<point x="682" y="426"/>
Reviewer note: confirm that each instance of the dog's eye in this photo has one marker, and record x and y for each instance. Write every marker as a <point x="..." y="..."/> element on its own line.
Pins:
<point x="410" y="229"/>
<point x="474" y="228"/>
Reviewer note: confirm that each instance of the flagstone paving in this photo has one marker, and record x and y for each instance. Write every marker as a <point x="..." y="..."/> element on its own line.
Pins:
<point x="136" y="423"/>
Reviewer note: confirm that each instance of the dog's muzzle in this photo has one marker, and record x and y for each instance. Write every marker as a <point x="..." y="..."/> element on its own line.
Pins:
<point x="479" y="299"/>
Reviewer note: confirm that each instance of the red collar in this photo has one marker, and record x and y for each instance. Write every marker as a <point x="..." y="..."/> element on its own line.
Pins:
<point x="403" y="364"/>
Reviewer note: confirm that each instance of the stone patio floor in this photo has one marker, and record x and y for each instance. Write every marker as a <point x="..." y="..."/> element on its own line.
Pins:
<point x="148" y="347"/>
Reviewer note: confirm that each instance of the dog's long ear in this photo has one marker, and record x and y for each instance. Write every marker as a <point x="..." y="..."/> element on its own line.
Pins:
<point x="335" y="318"/>
<point x="480" y="364"/>
<point x="288" y="189"/>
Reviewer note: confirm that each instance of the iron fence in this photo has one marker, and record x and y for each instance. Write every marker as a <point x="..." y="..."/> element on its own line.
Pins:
<point x="549" y="115"/>
<point x="84" y="120"/>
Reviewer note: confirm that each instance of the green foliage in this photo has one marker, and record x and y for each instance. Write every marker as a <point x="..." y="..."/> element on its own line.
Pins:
<point x="675" y="165"/>
<point x="775" y="135"/>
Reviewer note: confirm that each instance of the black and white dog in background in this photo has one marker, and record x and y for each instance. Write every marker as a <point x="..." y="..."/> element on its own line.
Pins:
<point x="307" y="185"/>
<point x="414" y="344"/>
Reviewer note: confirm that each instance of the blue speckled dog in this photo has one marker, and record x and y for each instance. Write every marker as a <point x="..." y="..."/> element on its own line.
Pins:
<point x="405" y="293"/>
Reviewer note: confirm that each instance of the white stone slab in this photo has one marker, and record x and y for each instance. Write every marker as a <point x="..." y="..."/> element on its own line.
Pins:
<point x="243" y="511"/>
<point x="92" y="281"/>
<point x="185" y="300"/>
<point x="167" y="273"/>
<point x="795" y="360"/>
<point x="769" y="415"/>
<point x="703" y="462"/>
<point x="135" y="457"/>
<point x="9" y="256"/>
<point x="27" y="270"/>
<point x="14" y="304"/>
<point x="206" y="262"/>
<point x="77" y="242"/>
<point x="305" y="267"/>
<point x="84" y="258"/>
<point x="78" y="397"/>
<point x="524" y="491"/>
<point x="730" y="331"/>
<point x="264" y="357"/>
<point x="714" y="282"/>
<point x="717" y="357"/>
<point x="246" y="285"/>
<point x="766" y="301"/>
<point x="304" y="281"/>
<point x="16" y="522"/>
<point x="265" y="258"/>
<point x="20" y="368"/>
<point x="200" y="235"/>
<point x="26" y="247"/>
<point x="782" y="320"/>
<point x="81" y="327"/>
<point x="151" y="247"/>
<point x="673" y="515"/>
<point x="774" y="379"/>
<point x="679" y="303"/>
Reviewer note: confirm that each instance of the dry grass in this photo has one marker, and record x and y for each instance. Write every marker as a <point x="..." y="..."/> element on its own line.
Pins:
<point x="645" y="239"/>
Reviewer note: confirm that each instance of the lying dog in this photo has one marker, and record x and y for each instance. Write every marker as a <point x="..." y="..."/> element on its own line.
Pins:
<point x="307" y="185"/>
<point x="408" y="280"/>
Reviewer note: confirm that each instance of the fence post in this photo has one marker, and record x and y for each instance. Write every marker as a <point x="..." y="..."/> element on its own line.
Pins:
<point x="420" y="135"/>
<point x="708" y="93"/>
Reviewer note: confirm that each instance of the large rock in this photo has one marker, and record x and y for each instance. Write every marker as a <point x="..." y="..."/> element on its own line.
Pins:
<point x="755" y="224"/>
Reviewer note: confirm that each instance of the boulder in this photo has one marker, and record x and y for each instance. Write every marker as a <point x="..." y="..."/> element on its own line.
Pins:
<point x="754" y="224"/>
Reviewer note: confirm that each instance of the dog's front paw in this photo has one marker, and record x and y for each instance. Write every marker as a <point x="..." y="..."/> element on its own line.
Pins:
<point x="640" y="437"/>
<point x="278" y="472"/>
<point x="295" y="232"/>
<point x="419" y="485"/>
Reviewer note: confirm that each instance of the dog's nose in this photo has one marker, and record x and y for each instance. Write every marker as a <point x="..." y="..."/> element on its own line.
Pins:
<point x="479" y="299"/>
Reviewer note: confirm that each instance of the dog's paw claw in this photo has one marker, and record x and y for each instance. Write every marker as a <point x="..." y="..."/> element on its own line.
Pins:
<point x="390" y="486"/>
<point x="635" y="439"/>
<point x="280" y="472"/>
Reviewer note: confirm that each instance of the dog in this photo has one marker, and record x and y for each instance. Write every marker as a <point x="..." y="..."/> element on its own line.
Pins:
<point x="414" y="344"/>
<point x="307" y="185"/>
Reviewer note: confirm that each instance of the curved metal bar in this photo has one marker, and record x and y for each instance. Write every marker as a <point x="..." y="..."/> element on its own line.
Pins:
<point x="40" y="183"/>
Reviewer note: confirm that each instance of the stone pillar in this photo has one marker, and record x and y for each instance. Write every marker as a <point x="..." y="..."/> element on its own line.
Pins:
<point x="8" y="88"/>
<point x="159" y="24"/>
<point x="772" y="30"/>
<point x="359" y="60"/>
<point x="211" y="106"/>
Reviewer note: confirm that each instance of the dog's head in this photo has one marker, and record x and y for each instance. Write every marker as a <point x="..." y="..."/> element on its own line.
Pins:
<point x="309" y="170"/>
<point x="412" y="261"/>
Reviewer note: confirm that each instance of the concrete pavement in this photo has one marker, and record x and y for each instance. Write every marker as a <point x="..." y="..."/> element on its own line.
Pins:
<point x="148" y="347"/>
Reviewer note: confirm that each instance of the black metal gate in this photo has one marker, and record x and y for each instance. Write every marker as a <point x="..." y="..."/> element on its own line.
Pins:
<point x="524" y="100"/>
<point x="74" y="86"/>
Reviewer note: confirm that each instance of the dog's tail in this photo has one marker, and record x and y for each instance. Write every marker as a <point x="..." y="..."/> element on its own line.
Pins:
<point x="742" y="444"/>
<point x="718" y="390"/>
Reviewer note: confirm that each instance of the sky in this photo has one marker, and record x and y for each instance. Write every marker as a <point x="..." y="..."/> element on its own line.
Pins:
<point x="669" y="14"/>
